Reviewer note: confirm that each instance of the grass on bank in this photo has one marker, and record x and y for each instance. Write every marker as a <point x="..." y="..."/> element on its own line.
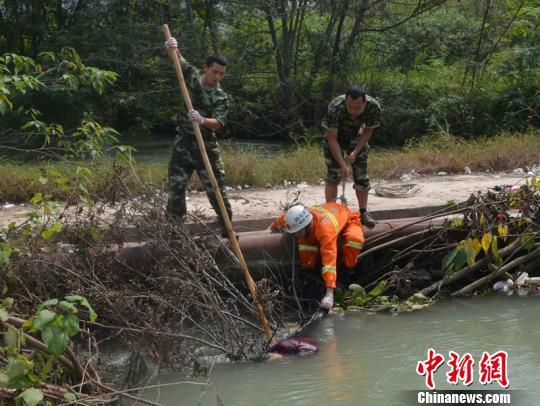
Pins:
<point x="441" y="152"/>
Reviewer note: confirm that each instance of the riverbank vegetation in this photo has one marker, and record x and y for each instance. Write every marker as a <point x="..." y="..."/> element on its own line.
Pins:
<point x="71" y="281"/>
<point x="302" y="163"/>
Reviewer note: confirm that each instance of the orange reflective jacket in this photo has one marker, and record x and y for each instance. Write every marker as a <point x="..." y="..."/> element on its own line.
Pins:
<point x="329" y="221"/>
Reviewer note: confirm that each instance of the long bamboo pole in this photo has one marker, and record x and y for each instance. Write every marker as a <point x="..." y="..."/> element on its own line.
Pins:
<point x="232" y="237"/>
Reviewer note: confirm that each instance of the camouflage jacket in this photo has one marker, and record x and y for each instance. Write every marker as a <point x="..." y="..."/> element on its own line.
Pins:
<point x="337" y="119"/>
<point x="210" y="102"/>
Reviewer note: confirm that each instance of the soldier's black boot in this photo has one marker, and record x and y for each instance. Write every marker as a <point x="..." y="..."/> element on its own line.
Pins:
<point x="367" y="220"/>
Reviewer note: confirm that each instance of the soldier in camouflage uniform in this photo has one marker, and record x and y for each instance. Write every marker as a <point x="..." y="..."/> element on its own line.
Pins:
<point x="349" y="123"/>
<point x="211" y="106"/>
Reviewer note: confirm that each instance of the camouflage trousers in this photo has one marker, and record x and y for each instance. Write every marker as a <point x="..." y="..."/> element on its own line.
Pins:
<point x="359" y="168"/>
<point x="186" y="158"/>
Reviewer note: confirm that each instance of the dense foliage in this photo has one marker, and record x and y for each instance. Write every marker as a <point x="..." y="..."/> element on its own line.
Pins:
<point x="467" y="66"/>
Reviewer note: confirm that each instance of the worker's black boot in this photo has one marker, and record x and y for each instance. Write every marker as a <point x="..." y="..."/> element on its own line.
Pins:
<point x="367" y="220"/>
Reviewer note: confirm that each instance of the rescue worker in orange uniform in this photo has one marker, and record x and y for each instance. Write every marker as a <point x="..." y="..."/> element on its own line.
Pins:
<point x="317" y="229"/>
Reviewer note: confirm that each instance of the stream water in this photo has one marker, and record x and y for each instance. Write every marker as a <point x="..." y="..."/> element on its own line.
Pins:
<point x="157" y="149"/>
<point x="371" y="359"/>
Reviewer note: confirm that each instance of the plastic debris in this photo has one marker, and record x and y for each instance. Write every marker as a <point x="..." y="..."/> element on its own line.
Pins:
<point x="405" y="177"/>
<point x="522" y="278"/>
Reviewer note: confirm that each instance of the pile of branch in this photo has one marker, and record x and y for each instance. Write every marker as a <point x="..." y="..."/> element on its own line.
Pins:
<point x="177" y="310"/>
<point x="493" y="236"/>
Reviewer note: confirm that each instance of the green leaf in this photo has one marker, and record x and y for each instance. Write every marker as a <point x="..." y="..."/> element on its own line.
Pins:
<point x="4" y="315"/>
<point x="5" y="254"/>
<point x="95" y="234"/>
<point x="71" y="325"/>
<point x="357" y="291"/>
<point x="43" y="180"/>
<point x="419" y="298"/>
<point x="359" y="301"/>
<point x="76" y="298"/>
<point x="37" y="198"/>
<point x="460" y="260"/>
<point x="70" y="397"/>
<point x="448" y="260"/>
<point x="44" y="317"/>
<point x="49" y="232"/>
<point x="11" y="338"/>
<point x="20" y="382"/>
<point x="15" y="369"/>
<point x="67" y="307"/>
<point x="502" y="231"/>
<point x="472" y="247"/>
<point x="31" y="396"/>
<point x="7" y="303"/>
<point x="50" y="302"/>
<point x="494" y="247"/>
<point x="56" y="339"/>
<point x="379" y="289"/>
<point x="527" y="241"/>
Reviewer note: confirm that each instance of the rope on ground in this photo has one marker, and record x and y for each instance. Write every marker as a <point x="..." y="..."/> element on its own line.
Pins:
<point x="397" y="190"/>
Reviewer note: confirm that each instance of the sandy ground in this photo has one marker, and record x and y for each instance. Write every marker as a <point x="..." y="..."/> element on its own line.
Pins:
<point x="264" y="203"/>
<point x="434" y="190"/>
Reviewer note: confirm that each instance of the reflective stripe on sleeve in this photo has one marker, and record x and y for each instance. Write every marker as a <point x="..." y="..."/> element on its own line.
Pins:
<point x="307" y="247"/>
<point x="328" y="268"/>
<point x="354" y="244"/>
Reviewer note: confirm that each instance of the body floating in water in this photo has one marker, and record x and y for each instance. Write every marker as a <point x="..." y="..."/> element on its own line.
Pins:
<point x="298" y="343"/>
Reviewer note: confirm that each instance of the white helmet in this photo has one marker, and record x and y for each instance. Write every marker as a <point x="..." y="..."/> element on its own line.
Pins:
<point x="297" y="218"/>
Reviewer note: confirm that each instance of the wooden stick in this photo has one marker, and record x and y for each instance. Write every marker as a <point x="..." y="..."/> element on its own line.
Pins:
<point x="232" y="237"/>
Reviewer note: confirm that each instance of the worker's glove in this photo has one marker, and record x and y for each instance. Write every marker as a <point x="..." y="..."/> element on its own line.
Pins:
<point x="328" y="300"/>
<point x="194" y="115"/>
<point x="171" y="43"/>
